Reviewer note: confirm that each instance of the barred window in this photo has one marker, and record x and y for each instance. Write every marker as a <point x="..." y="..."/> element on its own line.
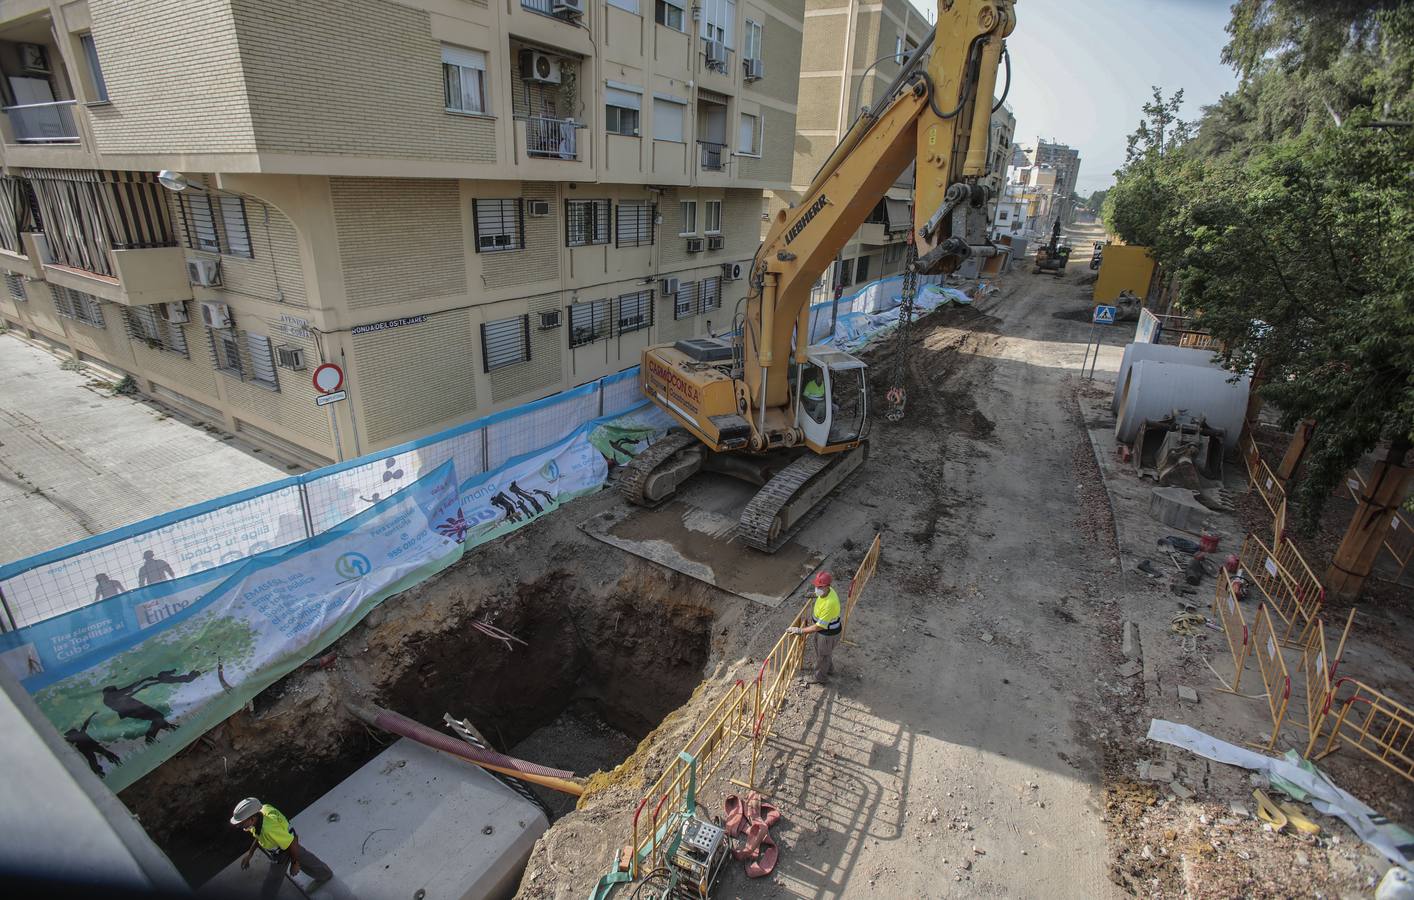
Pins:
<point x="200" y="222"/>
<point x="146" y="324"/>
<point x="500" y="225"/>
<point x="505" y="342"/>
<point x="711" y="293"/>
<point x="262" y="361"/>
<point x="685" y="303"/>
<point x="589" y="322"/>
<point x="77" y="305"/>
<point x="16" y="286"/>
<point x="586" y="222"/>
<point x="635" y="312"/>
<point x="635" y="223"/>
<point x="861" y="269"/>
<point x="233" y="223"/>
<point x="226" y="351"/>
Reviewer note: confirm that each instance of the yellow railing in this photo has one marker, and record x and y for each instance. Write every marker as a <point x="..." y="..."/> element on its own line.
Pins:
<point x="1374" y="724"/>
<point x="1273" y="668"/>
<point x="1229" y="613"/>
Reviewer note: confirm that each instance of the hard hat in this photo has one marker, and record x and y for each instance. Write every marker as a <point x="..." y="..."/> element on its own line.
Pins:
<point x="244" y="810"/>
<point x="823" y="580"/>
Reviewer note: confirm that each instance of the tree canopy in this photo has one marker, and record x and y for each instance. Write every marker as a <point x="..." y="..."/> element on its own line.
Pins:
<point x="1286" y="214"/>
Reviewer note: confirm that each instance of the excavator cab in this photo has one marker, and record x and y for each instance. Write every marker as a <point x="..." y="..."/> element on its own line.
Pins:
<point x="833" y="410"/>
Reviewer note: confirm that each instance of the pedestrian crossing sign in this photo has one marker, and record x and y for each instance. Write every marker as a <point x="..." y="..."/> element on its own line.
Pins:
<point x="1104" y="315"/>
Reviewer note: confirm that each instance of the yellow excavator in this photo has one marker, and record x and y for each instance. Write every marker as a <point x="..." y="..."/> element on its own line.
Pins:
<point x="765" y="405"/>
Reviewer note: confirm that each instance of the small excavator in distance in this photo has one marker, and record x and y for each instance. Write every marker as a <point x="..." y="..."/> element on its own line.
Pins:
<point x="1053" y="257"/>
<point x="766" y="406"/>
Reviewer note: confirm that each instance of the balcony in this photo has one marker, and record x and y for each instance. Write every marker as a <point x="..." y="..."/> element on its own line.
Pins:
<point x="28" y="258"/>
<point x="43" y="123"/>
<point x="570" y="10"/>
<point x="713" y="156"/>
<point x="549" y="138"/>
<point x="141" y="277"/>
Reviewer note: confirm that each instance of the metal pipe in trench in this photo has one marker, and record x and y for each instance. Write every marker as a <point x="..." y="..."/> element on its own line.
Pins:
<point x="555" y="779"/>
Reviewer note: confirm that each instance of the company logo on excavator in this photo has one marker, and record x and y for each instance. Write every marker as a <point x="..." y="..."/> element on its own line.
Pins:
<point x="794" y="231"/>
<point x="677" y="388"/>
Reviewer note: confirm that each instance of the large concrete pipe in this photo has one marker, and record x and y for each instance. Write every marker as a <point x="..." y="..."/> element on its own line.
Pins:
<point x="1135" y="352"/>
<point x="1155" y="389"/>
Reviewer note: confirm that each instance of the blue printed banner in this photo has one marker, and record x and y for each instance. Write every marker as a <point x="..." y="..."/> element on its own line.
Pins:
<point x="529" y="487"/>
<point x="134" y="679"/>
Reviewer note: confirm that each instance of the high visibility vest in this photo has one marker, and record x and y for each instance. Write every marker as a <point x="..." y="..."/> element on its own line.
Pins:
<point x="274" y="831"/>
<point x="827" y="612"/>
<point x="814" y="390"/>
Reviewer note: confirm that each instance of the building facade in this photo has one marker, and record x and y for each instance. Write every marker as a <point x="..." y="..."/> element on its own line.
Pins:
<point x="465" y="205"/>
<point x="1065" y="161"/>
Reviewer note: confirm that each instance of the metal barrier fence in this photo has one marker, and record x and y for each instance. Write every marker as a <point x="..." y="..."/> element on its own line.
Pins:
<point x="284" y="512"/>
<point x="866" y="570"/>
<point x="1261" y="477"/>
<point x="1273" y="668"/>
<point x="1290" y="588"/>
<point x="1234" y="625"/>
<point x="1385" y="731"/>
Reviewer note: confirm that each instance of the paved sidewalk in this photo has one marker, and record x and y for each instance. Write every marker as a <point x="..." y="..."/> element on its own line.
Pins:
<point x="76" y="460"/>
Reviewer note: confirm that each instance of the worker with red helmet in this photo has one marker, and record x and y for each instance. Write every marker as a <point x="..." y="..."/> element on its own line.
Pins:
<point x="825" y="625"/>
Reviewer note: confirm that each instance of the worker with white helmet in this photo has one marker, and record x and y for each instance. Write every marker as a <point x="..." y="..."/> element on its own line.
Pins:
<point x="825" y="624"/>
<point x="277" y="840"/>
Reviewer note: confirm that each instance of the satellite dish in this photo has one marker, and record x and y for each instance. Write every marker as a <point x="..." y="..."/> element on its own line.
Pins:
<point x="172" y="181"/>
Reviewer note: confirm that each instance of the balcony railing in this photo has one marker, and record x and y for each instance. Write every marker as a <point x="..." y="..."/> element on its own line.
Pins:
<point x="44" y="123"/>
<point x="713" y="155"/>
<point x="560" y="9"/>
<point x="551" y="138"/>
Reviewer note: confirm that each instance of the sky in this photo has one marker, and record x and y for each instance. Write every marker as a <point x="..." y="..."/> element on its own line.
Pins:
<point x="1082" y="68"/>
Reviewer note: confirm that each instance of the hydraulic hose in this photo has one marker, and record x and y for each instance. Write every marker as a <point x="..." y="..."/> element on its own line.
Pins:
<point x="389" y="721"/>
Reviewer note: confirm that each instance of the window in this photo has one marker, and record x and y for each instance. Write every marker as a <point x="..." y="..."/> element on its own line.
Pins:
<point x="77" y="305"/>
<point x="668" y="13"/>
<point x="233" y="223"/>
<point x="861" y="269"/>
<point x="95" y="71"/>
<point x="751" y="40"/>
<point x="711" y="293"/>
<point x="689" y="217"/>
<point x="749" y="135"/>
<point x="626" y="5"/>
<point x="505" y="342"/>
<point x="226" y="351"/>
<point x="712" y="223"/>
<point x="719" y="21"/>
<point x="16" y="286"/>
<point x="464" y="79"/>
<point x="893" y="252"/>
<point x="586" y="222"/>
<point x="262" y="361"/>
<point x="667" y="120"/>
<point x="635" y="228"/>
<point x="1001" y="215"/>
<point x="589" y="322"/>
<point x="635" y="312"/>
<point x="685" y="301"/>
<point x="898" y="48"/>
<point x="846" y="272"/>
<point x="200" y="223"/>
<point x="499" y="224"/>
<point x="621" y="110"/>
<point x="143" y="324"/>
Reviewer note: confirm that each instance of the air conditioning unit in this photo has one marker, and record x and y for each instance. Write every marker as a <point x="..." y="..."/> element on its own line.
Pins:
<point x="716" y="54"/>
<point x="550" y="320"/>
<point x="731" y="271"/>
<point x="694" y="245"/>
<point x="570" y="9"/>
<point x="540" y="67"/>
<point x="175" y="313"/>
<point x="204" y="272"/>
<point x="215" y="315"/>
<point x="290" y="358"/>
<point x="670" y="285"/>
<point x="755" y="69"/>
<point x="715" y="242"/>
<point x="538" y="209"/>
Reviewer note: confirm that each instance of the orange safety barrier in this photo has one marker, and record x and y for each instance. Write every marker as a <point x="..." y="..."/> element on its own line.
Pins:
<point x="1318" y="671"/>
<point x="1372" y="723"/>
<point x="1289" y="587"/>
<point x="1306" y="589"/>
<point x="866" y="570"/>
<point x="1228" y="612"/>
<point x="1273" y="668"/>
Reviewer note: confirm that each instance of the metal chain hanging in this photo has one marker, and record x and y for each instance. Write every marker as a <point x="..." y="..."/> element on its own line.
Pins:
<point x="897" y="395"/>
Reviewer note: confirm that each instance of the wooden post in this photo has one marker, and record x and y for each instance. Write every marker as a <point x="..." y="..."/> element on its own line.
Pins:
<point x="1376" y="505"/>
<point x="1254" y="400"/>
<point x="1296" y="450"/>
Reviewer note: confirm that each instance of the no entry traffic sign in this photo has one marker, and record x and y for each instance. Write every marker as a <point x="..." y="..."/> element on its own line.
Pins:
<point x="328" y="378"/>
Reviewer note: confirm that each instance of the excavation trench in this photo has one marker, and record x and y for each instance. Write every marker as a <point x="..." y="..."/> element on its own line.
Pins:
<point x="600" y="667"/>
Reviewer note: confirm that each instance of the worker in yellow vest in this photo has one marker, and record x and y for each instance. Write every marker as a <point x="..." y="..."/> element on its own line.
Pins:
<point x="826" y="625"/>
<point x="277" y="840"/>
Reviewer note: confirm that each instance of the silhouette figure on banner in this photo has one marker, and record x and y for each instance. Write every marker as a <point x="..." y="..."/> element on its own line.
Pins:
<point x="153" y="570"/>
<point x="85" y="743"/>
<point x="122" y="701"/>
<point x="107" y="587"/>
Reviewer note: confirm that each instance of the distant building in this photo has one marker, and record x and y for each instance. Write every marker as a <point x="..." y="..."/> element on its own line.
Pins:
<point x="1066" y="162"/>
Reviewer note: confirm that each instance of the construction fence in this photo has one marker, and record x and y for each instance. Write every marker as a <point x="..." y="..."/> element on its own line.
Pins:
<point x="744" y="716"/>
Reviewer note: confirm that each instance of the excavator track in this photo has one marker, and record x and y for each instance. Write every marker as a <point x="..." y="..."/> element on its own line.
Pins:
<point x="795" y="496"/>
<point x="638" y="474"/>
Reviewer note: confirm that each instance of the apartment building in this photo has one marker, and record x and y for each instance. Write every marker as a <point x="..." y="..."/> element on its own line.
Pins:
<point x="465" y="204"/>
<point x="1065" y="161"/>
<point x="852" y="52"/>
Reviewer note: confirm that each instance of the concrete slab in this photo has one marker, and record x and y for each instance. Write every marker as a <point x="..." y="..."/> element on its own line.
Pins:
<point x="411" y="823"/>
<point x="76" y="460"/>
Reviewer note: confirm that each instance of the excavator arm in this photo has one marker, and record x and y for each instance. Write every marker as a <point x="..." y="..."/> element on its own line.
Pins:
<point x="937" y="116"/>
